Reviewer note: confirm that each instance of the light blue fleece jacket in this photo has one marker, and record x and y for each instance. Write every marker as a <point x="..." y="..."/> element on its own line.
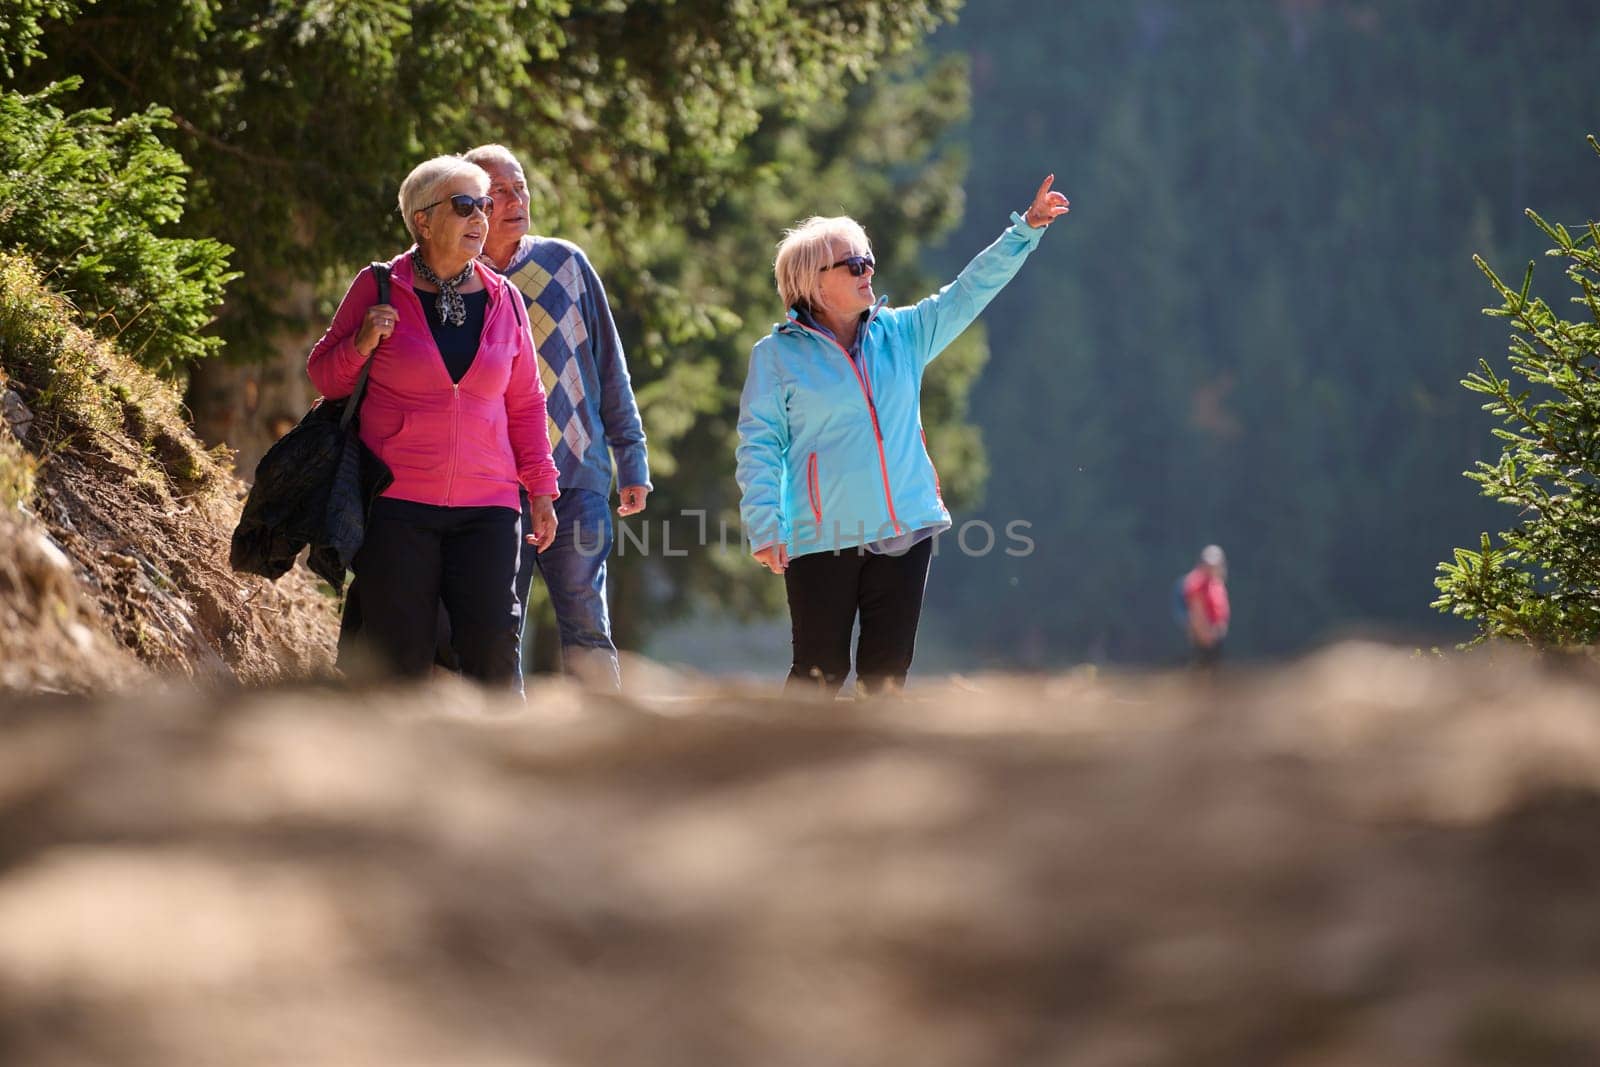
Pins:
<point x="831" y="451"/>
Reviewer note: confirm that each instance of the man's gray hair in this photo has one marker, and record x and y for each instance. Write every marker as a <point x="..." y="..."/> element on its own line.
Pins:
<point x="486" y="154"/>
<point x="809" y="247"/>
<point x="422" y="185"/>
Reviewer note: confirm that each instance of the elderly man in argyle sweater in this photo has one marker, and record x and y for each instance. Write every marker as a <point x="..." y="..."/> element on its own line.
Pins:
<point x="593" y="418"/>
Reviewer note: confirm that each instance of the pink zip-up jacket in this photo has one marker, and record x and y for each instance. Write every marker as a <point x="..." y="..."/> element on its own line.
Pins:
<point x="448" y="444"/>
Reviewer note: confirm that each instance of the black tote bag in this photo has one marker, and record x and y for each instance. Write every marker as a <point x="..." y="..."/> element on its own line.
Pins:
<point x="314" y="487"/>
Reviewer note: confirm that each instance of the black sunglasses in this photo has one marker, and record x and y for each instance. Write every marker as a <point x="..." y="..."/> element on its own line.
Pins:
<point x="858" y="265"/>
<point x="465" y="204"/>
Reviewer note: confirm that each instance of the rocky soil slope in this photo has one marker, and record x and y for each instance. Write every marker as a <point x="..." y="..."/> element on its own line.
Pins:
<point x="114" y="526"/>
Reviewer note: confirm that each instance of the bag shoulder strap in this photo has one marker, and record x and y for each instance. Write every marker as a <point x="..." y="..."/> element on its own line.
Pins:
<point x="380" y="274"/>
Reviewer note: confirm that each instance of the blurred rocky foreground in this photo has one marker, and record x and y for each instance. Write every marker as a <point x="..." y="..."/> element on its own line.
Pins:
<point x="1371" y="858"/>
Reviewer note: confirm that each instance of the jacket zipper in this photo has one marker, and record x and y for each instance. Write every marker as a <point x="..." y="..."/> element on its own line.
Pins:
<point x="872" y="409"/>
<point x="815" y="488"/>
<point x="455" y="408"/>
<point x="455" y="440"/>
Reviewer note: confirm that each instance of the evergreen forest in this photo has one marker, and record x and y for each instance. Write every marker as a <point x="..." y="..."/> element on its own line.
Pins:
<point x="1253" y="328"/>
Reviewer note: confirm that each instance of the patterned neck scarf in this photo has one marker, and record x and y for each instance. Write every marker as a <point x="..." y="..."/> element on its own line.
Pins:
<point x="452" y="309"/>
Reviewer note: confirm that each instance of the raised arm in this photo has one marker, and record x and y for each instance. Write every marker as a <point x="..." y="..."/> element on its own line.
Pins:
<point x="939" y="319"/>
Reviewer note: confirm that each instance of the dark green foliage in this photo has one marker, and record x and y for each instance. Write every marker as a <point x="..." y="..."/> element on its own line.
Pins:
<point x="90" y="200"/>
<point x="300" y="119"/>
<point x="1541" y="584"/>
<point x="21" y="23"/>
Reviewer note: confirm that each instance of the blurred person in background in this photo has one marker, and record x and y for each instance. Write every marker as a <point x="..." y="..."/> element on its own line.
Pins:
<point x="839" y="494"/>
<point x="1205" y="596"/>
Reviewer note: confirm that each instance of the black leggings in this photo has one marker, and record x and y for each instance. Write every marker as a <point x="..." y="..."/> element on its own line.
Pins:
<point x="414" y="556"/>
<point x="828" y="590"/>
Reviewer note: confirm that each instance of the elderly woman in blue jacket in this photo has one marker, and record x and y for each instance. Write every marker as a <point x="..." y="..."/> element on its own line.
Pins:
<point x="839" y="493"/>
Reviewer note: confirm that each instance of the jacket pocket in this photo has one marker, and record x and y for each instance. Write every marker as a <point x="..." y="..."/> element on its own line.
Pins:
<point x="421" y="443"/>
<point x="484" y="449"/>
<point x="814" y="488"/>
<point x="937" y="491"/>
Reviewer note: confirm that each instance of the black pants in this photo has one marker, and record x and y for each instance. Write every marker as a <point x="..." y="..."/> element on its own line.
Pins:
<point x="413" y="557"/>
<point x="828" y="590"/>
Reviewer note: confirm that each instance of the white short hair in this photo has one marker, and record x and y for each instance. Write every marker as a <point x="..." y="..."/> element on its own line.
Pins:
<point x="806" y="249"/>
<point x="422" y="185"/>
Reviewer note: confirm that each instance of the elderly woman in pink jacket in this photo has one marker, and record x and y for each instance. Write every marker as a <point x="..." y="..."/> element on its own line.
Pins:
<point x="454" y="407"/>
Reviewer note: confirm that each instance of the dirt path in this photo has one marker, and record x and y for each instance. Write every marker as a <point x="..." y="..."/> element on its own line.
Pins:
<point x="1371" y="859"/>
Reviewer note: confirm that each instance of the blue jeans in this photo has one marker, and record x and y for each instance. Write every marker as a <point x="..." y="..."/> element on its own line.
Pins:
<point x="574" y="570"/>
